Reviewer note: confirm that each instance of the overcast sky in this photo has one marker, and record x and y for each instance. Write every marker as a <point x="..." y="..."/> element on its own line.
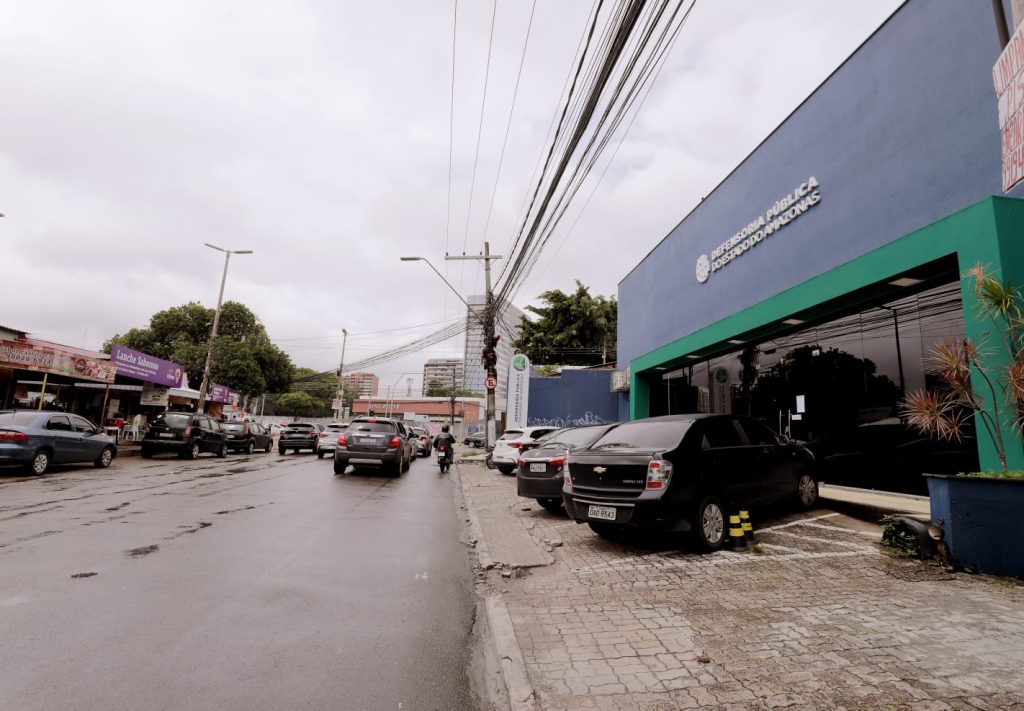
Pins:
<point x="316" y="133"/>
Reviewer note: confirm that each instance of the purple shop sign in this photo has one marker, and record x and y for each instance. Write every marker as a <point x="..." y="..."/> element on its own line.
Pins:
<point x="222" y="393"/>
<point x="142" y="366"/>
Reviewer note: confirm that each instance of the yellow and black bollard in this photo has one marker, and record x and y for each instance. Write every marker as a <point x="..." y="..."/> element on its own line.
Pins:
<point x="736" y="532"/>
<point x="748" y="530"/>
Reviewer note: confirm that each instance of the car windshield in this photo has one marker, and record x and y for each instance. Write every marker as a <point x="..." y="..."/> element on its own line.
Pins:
<point x="173" y="419"/>
<point x="22" y="417"/>
<point x="644" y="435"/>
<point x="234" y="427"/>
<point x="511" y="434"/>
<point x="371" y="427"/>
<point x="570" y="438"/>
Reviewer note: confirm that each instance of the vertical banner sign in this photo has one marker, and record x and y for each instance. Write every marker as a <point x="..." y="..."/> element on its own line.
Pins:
<point x="518" y="390"/>
<point x="1008" y="77"/>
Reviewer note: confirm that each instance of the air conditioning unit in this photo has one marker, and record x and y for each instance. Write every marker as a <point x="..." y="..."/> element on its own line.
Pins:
<point x="620" y="381"/>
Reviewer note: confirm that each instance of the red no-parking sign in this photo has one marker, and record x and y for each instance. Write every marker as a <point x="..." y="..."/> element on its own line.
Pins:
<point x="491" y="382"/>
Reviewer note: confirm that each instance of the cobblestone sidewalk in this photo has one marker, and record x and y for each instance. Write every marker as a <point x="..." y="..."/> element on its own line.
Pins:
<point x="817" y="617"/>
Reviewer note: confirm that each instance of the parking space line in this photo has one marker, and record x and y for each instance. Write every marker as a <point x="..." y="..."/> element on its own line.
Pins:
<point x="827" y="541"/>
<point x="798" y="522"/>
<point x="873" y="534"/>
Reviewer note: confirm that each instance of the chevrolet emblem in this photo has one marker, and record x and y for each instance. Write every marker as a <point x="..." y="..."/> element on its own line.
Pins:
<point x="600" y="470"/>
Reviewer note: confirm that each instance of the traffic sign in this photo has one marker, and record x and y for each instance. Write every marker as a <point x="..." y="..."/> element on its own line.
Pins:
<point x="490" y="382"/>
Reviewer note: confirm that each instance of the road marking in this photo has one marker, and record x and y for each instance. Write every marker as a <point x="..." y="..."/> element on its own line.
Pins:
<point x="422" y="576"/>
<point x="827" y="541"/>
<point x="840" y="528"/>
<point x="798" y="522"/>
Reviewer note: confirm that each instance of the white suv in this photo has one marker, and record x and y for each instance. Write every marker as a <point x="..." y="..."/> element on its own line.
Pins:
<point x="508" y="447"/>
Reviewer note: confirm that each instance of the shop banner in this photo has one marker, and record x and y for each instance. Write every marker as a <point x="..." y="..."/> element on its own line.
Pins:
<point x="1008" y="77"/>
<point x="41" y="359"/>
<point x="518" y="391"/>
<point x="222" y="393"/>
<point x="155" y="395"/>
<point x="142" y="366"/>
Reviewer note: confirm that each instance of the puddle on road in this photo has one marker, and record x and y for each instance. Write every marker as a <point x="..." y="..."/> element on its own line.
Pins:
<point x="144" y="550"/>
<point x="119" y="506"/>
<point x="230" y="511"/>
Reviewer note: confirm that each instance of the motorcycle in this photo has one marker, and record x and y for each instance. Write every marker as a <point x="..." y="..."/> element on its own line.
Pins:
<point x="442" y="458"/>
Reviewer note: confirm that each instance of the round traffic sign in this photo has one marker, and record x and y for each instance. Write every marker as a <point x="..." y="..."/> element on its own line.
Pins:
<point x="491" y="382"/>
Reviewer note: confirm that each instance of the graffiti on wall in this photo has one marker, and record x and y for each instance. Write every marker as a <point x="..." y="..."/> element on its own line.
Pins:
<point x="587" y="419"/>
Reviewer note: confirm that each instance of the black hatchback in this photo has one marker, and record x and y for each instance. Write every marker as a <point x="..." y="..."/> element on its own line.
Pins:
<point x="185" y="434"/>
<point x="299" y="435"/>
<point x="685" y="473"/>
<point x="539" y="474"/>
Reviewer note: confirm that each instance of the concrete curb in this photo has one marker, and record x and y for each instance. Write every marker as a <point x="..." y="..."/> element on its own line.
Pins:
<point x="521" y="695"/>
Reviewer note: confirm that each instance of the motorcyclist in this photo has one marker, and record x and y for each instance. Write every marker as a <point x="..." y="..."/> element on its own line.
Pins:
<point x="447" y="440"/>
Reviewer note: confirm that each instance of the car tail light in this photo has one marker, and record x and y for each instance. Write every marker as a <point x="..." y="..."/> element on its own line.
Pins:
<point x="658" y="473"/>
<point x="342" y="442"/>
<point x="566" y="476"/>
<point x="322" y="435"/>
<point x="560" y="462"/>
<point x="187" y="433"/>
<point x="396" y="442"/>
<point x="13" y="437"/>
<point x="515" y="445"/>
<point x="522" y="463"/>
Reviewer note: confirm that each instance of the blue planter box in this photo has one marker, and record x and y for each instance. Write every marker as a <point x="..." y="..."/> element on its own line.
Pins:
<point x="982" y="522"/>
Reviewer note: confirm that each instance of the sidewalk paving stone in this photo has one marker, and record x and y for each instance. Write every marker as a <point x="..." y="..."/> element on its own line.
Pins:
<point x="816" y="616"/>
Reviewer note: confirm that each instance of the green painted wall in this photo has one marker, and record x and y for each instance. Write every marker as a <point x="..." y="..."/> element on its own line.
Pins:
<point x="989" y="232"/>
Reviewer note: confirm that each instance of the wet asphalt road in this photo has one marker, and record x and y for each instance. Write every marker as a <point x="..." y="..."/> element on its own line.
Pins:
<point x="260" y="582"/>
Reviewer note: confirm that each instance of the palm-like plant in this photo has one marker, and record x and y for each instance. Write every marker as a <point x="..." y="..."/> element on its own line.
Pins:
<point x="944" y="412"/>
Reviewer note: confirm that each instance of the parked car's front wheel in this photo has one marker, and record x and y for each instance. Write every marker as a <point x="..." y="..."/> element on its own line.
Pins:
<point x="39" y="464"/>
<point x="319" y="454"/>
<point x="281" y="451"/>
<point x="807" y="490"/>
<point x="709" y="524"/>
<point x="223" y="451"/>
<point x="251" y="447"/>
<point x="146" y="453"/>
<point x="105" y="458"/>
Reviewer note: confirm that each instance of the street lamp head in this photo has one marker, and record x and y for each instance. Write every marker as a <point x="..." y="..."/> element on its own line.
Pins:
<point x="411" y="259"/>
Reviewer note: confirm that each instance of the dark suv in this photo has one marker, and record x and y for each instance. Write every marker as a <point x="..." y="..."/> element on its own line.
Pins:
<point x="378" y="442"/>
<point x="684" y="473"/>
<point x="186" y="434"/>
<point x="299" y="435"/>
<point x="247" y="437"/>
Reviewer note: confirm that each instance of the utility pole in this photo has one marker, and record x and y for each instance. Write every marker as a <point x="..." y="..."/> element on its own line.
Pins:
<point x="489" y="337"/>
<point x="452" y="402"/>
<point x="205" y="387"/>
<point x="339" y="394"/>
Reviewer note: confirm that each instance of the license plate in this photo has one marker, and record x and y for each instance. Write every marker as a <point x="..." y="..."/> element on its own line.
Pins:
<point x="166" y="435"/>
<point x="604" y="513"/>
<point x="538" y="467"/>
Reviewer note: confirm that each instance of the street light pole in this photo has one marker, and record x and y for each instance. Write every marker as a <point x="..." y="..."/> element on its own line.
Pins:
<point x="204" y="389"/>
<point x="340" y="392"/>
<point x="488" y="324"/>
<point x="486" y="319"/>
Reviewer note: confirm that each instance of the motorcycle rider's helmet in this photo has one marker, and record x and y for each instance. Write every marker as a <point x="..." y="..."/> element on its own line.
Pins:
<point x="444" y="428"/>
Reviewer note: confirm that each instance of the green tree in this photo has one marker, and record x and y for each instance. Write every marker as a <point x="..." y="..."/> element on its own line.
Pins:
<point x="298" y="404"/>
<point x="243" y="356"/>
<point x="572" y="329"/>
<point x="435" y="388"/>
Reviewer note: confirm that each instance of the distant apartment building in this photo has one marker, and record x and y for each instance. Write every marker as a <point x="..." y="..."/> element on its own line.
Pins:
<point x="507" y="326"/>
<point x="443" y="370"/>
<point x="366" y="384"/>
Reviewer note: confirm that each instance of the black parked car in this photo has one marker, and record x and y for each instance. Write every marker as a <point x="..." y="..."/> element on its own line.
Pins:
<point x="36" y="440"/>
<point x="378" y="442"/>
<point x="685" y="473"/>
<point x="539" y="474"/>
<point x="890" y="456"/>
<point x="248" y="437"/>
<point x="299" y="435"/>
<point x="185" y="434"/>
<point x="474" y="439"/>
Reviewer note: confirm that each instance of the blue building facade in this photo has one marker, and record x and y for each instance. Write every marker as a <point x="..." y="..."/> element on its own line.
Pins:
<point x="883" y="176"/>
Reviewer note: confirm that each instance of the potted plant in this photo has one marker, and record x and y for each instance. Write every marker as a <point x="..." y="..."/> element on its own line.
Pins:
<point x="981" y="514"/>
